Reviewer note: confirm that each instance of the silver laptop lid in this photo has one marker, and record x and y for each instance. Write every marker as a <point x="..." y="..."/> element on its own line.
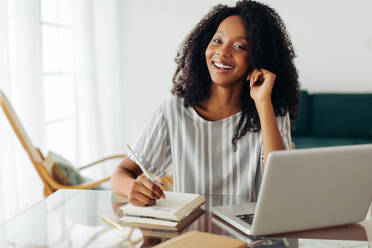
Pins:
<point x="313" y="188"/>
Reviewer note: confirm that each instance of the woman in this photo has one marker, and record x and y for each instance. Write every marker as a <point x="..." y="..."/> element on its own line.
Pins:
<point x="235" y="91"/>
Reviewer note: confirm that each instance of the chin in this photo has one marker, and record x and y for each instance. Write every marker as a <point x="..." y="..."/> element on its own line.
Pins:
<point x="226" y="82"/>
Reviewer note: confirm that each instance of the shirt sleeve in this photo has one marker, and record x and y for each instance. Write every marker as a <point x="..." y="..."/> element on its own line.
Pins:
<point x="284" y="125"/>
<point x="153" y="146"/>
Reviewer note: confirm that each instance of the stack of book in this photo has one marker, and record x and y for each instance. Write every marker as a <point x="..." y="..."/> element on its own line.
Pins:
<point x="174" y="213"/>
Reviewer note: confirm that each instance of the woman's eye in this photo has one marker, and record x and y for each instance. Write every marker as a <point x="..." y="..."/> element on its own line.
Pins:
<point x="216" y="40"/>
<point x="240" y="47"/>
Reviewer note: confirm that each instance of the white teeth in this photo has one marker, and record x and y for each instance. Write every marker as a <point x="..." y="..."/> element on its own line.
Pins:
<point x="222" y="66"/>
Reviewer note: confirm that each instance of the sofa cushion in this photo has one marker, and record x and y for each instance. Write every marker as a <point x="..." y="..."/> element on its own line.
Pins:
<point x="341" y="115"/>
<point x="303" y="121"/>
<point x="307" y="142"/>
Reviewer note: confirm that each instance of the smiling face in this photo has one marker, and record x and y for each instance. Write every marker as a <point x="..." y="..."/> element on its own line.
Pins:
<point x="227" y="53"/>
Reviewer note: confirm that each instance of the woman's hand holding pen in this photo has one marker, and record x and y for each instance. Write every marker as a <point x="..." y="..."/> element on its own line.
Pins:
<point x="144" y="192"/>
<point x="261" y="83"/>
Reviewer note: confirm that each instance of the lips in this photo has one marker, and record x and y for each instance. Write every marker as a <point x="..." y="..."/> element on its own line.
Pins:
<point x="222" y="66"/>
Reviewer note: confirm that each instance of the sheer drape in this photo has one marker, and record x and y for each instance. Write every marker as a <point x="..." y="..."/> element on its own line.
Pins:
<point x="98" y="90"/>
<point x="20" y="77"/>
<point x="99" y="87"/>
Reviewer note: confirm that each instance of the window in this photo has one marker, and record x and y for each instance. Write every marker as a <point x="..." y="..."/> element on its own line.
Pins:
<point x="58" y="77"/>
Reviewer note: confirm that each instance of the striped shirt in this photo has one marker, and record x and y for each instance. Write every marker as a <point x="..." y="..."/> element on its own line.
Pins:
<point x="201" y="153"/>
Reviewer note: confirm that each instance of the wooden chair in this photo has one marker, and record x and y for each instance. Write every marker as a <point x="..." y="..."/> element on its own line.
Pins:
<point x="37" y="158"/>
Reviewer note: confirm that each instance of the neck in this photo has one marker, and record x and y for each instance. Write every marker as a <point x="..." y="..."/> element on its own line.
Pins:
<point x="224" y="100"/>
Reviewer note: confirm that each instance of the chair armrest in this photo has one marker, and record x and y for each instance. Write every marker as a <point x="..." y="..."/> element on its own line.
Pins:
<point x="87" y="185"/>
<point x="55" y="185"/>
<point x="102" y="160"/>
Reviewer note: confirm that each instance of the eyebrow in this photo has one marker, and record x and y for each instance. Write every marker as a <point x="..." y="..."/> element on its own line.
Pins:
<point x="239" y="37"/>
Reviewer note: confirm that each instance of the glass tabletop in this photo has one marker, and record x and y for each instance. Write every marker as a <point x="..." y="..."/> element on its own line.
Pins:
<point x="73" y="218"/>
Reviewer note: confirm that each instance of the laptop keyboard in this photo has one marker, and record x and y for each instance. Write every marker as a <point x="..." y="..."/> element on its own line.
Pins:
<point x="246" y="218"/>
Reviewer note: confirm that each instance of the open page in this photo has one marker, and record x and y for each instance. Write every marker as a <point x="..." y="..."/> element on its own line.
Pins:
<point x="174" y="207"/>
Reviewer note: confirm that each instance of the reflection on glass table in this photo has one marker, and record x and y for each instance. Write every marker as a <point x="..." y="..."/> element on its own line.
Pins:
<point x="349" y="235"/>
<point x="73" y="218"/>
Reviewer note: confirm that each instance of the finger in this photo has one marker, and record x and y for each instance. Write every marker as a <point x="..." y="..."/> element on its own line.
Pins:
<point x="267" y="73"/>
<point x="158" y="189"/>
<point x="137" y="203"/>
<point x="259" y="77"/>
<point x="248" y="76"/>
<point x="151" y="186"/>
<point x="133" y="200"/>
<point x="254" y="77"/>
<point x="146" y="191"/>
<point x="250" y="80"/>
<point x="264" y="70"/>
<point x="161" y="186"/>
<point x="251" y="77"/>
<point x="142" y="198"/>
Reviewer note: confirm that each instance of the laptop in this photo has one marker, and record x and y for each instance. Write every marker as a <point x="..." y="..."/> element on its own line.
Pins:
<point x="307" y="189"/>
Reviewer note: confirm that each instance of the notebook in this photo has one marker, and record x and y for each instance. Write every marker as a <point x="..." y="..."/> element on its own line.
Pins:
<point x="171" y="213"/>
<point x="202" y="239"/>
<point x="161" y="224"/>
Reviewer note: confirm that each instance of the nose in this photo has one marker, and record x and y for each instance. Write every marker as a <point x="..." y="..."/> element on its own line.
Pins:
<point x="223" y="51"/>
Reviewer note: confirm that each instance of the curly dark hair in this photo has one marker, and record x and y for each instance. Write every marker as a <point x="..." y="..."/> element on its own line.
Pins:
<point x="270" y="48"/>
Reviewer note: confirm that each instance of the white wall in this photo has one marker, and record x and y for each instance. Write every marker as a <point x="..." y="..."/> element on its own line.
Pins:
<point x="333" y="41"/>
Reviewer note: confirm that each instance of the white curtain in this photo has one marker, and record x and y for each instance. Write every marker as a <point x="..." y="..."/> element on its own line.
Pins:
<point x="20" y="79"/>
<point x="98" y="90"/>
<point x="99" y="86"/>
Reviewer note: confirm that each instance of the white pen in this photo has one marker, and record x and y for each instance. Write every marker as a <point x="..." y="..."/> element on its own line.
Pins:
<point x="151" y="177"/>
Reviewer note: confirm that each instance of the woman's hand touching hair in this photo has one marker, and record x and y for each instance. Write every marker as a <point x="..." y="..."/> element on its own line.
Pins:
<point x="261" y="82"/>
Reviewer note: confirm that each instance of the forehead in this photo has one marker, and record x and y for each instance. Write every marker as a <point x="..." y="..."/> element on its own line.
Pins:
<point x="232" y="26"/>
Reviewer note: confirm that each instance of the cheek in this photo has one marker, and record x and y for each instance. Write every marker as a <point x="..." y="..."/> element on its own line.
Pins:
<point x="209" y="52"/>
<point x="243" y="62"/>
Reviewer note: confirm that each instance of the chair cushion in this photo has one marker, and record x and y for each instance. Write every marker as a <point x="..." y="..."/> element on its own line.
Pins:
<point x="62" y="170"/>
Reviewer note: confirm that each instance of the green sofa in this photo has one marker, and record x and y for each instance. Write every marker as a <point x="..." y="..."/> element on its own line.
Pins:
<point x="332" y="119"/>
